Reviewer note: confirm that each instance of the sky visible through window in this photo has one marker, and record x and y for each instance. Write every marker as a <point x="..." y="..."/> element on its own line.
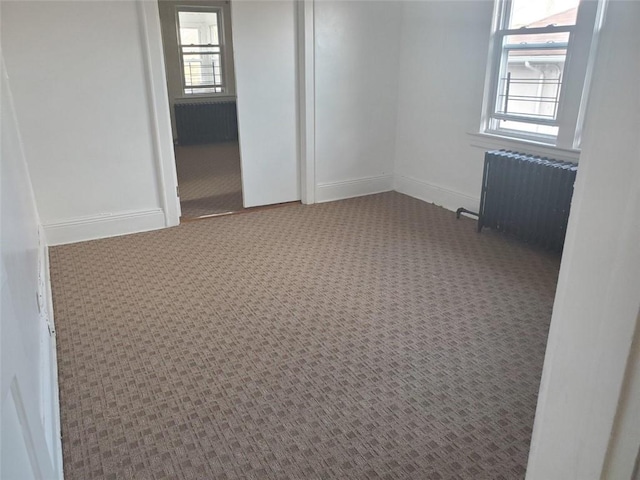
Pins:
<point x="528" y="12"/>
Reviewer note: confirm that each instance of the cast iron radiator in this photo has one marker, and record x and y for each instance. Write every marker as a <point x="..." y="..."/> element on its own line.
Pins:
<point x="210" y="122"/>
<point x="526" y="196"/>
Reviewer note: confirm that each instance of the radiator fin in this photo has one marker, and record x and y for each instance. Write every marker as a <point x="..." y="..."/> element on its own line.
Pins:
<point x="210" y="122"/>
<point x="526" y="196"/>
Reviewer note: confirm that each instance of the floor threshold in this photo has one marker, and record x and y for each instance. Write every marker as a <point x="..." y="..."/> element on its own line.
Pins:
<point x="238" y="212"/>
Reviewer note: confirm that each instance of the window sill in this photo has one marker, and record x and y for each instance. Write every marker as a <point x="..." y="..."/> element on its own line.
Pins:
<point x="489" y="141"/>
<point x="203" y="98"/>
<point x="206" y="95"/>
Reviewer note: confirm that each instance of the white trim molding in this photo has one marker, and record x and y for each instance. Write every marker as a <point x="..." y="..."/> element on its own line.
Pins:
<point x="623" y="457"/>
<point x="486" y="141"/>
<point x="306" y="100"/>
<point x="50" y="384"/>
<point x="438" y="195"/>
<point x="159" y="113"/>
<point x="328" y="192"/>
<point x="103" y="226"/>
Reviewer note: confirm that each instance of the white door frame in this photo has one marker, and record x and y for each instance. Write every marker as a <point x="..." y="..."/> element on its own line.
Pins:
<point x="306" y="100"/>
<point x="155" y="70"/>
<point x="158" y="99"/>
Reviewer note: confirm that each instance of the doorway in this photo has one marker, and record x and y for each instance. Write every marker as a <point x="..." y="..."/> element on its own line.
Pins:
<point x="198" y="52"/>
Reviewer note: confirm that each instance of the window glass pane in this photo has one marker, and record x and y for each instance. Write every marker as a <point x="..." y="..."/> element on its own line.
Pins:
<point x="189" y="36"/>
<point x="539" y="13"/>
<point x="204" y="24"/>
<point x="523" y="127"/>
<point x="202" y="69"/>
<point x="531" y="75"/>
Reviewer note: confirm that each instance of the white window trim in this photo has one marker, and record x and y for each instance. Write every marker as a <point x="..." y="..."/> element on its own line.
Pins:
<point x="489" y="141"/>
<point x="223" y="52"/>
<point x="578" y="70"/>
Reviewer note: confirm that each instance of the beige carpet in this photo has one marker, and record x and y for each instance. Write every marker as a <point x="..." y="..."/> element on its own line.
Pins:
<point x="372" y="338"/>
<point x="209" y="179"/>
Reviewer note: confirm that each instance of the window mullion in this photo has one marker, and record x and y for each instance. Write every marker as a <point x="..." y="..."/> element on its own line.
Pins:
<point x="537" y="30"/>
<point x="525" y="119"/>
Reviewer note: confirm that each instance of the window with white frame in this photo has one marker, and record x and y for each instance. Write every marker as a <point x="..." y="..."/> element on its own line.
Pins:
<point x="538" y="66"/>
<point x="201" y="50"/>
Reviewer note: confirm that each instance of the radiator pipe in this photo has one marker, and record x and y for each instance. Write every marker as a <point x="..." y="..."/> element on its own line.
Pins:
<point x="464" y="210"/>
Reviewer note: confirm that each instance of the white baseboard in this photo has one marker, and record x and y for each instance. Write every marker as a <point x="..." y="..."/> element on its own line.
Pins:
<point x="428" y="192"/>
<point x="328" y="192"/>
<point x="91" y="228"/>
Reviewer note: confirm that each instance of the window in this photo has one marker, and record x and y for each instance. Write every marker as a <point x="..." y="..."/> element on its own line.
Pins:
<point x="201" y="51"/>
<point x="538" y="66"/>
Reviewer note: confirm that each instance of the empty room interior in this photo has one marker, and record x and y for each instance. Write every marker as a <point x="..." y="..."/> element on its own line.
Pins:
<point x="320" y="239"/>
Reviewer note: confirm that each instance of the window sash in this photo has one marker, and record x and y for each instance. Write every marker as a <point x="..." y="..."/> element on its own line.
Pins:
<point x="205" y="45"/>
<point x="196" y="50"/>
<point x="499" y="72"/>
<point x="189" y="84"/>
<point x="505" y="83"/>
<point x="576" y="78"/>
<point x="535" y="30"/>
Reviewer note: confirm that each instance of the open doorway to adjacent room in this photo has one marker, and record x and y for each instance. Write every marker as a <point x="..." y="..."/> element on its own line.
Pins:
<point x="198" y="53"/>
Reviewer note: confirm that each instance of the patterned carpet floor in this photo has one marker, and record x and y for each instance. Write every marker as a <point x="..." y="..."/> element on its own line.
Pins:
<point x="209" y="179"/>
<point x="376" y="337"/>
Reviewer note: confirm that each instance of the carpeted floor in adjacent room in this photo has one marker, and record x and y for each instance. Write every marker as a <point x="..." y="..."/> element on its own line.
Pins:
<point x="376" y="337"/>
<point x="209" y="179"/>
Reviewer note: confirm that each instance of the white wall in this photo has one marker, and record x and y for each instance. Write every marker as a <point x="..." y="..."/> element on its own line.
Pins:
<point x="442" y="72"/>
<point x="29" y="427"/>
<point x="598" y="295"/>
<point x="264" y="38"/>
<point x="84" y="103"/>
<point x="356" y="77"/>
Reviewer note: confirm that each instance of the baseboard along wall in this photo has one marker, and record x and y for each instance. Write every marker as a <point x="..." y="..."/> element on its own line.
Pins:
<point x="441" y="196"/>
<point x="103" y="226"/>
<point x="329" y="192"/>
<point x="111" y="225"/>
